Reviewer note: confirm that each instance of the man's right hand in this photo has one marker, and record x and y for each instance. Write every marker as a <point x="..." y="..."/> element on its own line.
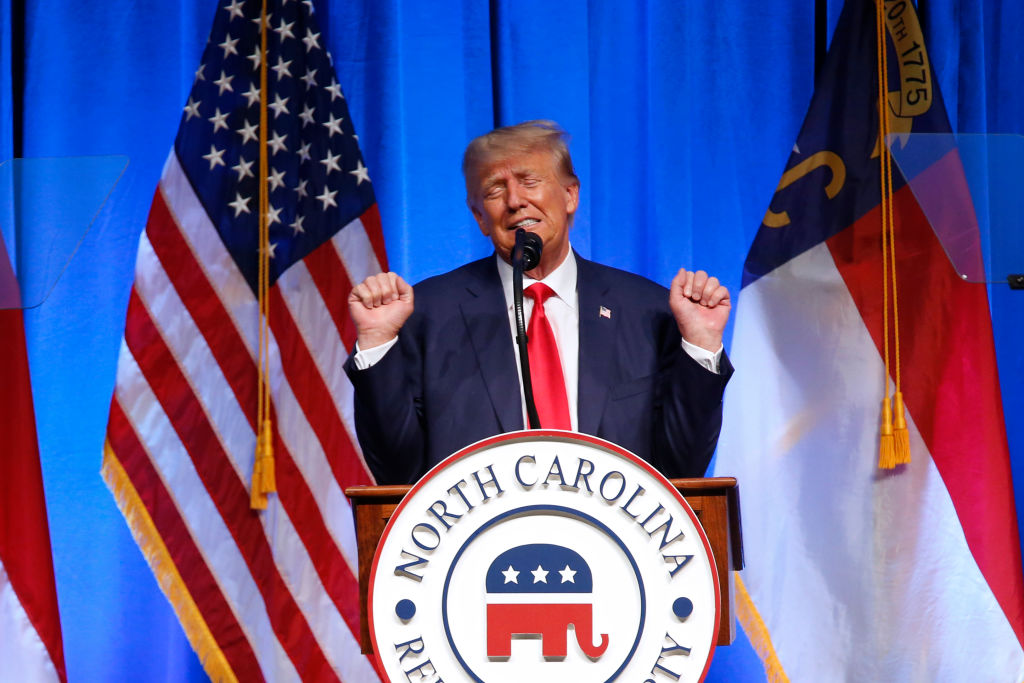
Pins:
<point x="379" y="306"/>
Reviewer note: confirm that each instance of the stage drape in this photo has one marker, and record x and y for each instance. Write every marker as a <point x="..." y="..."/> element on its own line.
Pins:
<point x="682" y="116"/>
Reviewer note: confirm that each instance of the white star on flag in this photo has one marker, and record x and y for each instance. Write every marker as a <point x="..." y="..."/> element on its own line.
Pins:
<point x="192" y="108"/>
<point x="361" y="173"/>
<point x="214" y="157"/>
<point x="258" y="22"/>
<point x="327" y="197"/>
<point x="511" y="575"/>
<point x="540" y="575"/>
<point x="281" y="68"/>
<point x="248" y="132"/>
<point x="241" y="204"/>
<point x="276" y="179"/>
<point x="568" y="575"/>
<point x="331" y="162"/>
<point x="276" y="142"/>
<point x="229" y="46"/>
<point x="311" y="40"/>
<point x="273" y="216"/>
<point x="252" y="95"/>
<point x="285" y="30"/>
<point x="219" y="120"/>
<point x="235" y="8"/>
<point x="333" y="125"/>
<point x="278" y="105"/>
<point x="244" y="169"/>
<point x="224" y="83"/>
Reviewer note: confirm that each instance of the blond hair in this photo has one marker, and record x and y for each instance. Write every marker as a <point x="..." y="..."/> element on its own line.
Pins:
<point x="522" y="138"/>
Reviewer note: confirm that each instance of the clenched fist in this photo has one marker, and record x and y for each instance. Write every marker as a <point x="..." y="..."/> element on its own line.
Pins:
<point x="379" y="306"/>
<point x="701" y="308"/>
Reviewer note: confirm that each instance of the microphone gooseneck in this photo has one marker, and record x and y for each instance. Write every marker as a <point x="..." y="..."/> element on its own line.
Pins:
<point x="525" y="256"/>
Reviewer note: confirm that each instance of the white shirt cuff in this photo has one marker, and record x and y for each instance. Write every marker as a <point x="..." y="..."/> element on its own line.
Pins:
<point x="709" y="359"/>
<point x="370" y="357"/>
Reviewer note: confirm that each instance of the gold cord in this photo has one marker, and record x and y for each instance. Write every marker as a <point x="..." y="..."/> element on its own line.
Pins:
<point x="894" y="441"/>
<point x="263" y="479"/>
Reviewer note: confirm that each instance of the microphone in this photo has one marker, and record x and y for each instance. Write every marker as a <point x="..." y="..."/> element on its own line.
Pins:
<point x="525" y="256"/>
<point x="532" y="247"/>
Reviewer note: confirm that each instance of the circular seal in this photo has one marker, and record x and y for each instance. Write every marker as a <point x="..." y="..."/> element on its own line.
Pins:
<point x="543" y="556"/>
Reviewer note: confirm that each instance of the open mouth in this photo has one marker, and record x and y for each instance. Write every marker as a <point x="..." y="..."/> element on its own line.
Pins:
<point x="525" y="223"/>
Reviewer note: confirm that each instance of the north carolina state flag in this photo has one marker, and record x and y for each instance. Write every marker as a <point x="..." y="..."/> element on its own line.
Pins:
<point x="856" y="573"/>
<point x="30" y="639"/>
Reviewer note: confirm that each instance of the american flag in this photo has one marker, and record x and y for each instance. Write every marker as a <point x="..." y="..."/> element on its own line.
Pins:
<point x="262" y="595"/>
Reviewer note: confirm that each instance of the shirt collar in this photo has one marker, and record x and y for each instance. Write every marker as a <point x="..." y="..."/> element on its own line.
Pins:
<point x="562" y="280"/>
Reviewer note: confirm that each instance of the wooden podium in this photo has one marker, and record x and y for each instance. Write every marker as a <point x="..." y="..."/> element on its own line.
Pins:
<point x="715" y="501"/>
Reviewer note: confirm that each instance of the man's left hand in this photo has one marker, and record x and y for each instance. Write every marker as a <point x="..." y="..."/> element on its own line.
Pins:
<point x="701" y="308"/>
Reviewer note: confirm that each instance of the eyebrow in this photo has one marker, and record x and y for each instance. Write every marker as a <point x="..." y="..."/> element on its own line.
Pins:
<point x="518" y="173"/>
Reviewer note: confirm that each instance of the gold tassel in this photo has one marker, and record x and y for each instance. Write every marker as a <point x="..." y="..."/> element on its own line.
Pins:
<point x="257" y="499"/>
<point x="264" y="480"/>
<point x="901" y="433"/>
<point x="268" y="480"/>
<point x="886" y="446"/>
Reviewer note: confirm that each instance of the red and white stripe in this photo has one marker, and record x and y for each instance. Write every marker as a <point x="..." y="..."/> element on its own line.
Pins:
<point x="31" y="648"/>
<point x="854" y="573"/>
<point x="277" y="591"/>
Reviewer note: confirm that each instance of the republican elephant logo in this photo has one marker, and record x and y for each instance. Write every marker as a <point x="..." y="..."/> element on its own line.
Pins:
<point x="541" y="589"/>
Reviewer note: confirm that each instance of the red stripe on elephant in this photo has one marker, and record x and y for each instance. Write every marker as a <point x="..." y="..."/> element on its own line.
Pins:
<point x="550" y="622"/>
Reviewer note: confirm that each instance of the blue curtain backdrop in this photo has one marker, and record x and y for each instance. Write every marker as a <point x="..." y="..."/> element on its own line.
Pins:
<point x="682" y="115"/>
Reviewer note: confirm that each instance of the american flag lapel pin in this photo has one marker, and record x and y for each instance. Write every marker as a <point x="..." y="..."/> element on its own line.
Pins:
<point x="605" y="312"/>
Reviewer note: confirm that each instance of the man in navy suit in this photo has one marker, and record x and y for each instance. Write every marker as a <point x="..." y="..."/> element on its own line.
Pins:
<point x="642" y="366"/>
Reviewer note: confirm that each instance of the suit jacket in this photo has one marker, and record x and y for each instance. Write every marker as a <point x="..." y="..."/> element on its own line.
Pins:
<point x="452" y="379"/>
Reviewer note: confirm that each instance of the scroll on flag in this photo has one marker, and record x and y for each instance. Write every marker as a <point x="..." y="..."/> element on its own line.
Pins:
<point x="261" y="594"/>
<point x="31" y="646"/>
<point x="854" y="572"/>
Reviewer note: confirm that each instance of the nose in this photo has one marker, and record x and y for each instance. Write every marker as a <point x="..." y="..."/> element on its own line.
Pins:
<point x="515" y="197"/>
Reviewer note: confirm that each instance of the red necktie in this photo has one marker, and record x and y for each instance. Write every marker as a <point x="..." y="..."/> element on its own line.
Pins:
<point x="545" y="366"/>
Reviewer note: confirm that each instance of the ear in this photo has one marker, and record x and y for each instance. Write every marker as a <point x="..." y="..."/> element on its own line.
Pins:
<point x="572" y="197"/>
<point x="478" y="216"/>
